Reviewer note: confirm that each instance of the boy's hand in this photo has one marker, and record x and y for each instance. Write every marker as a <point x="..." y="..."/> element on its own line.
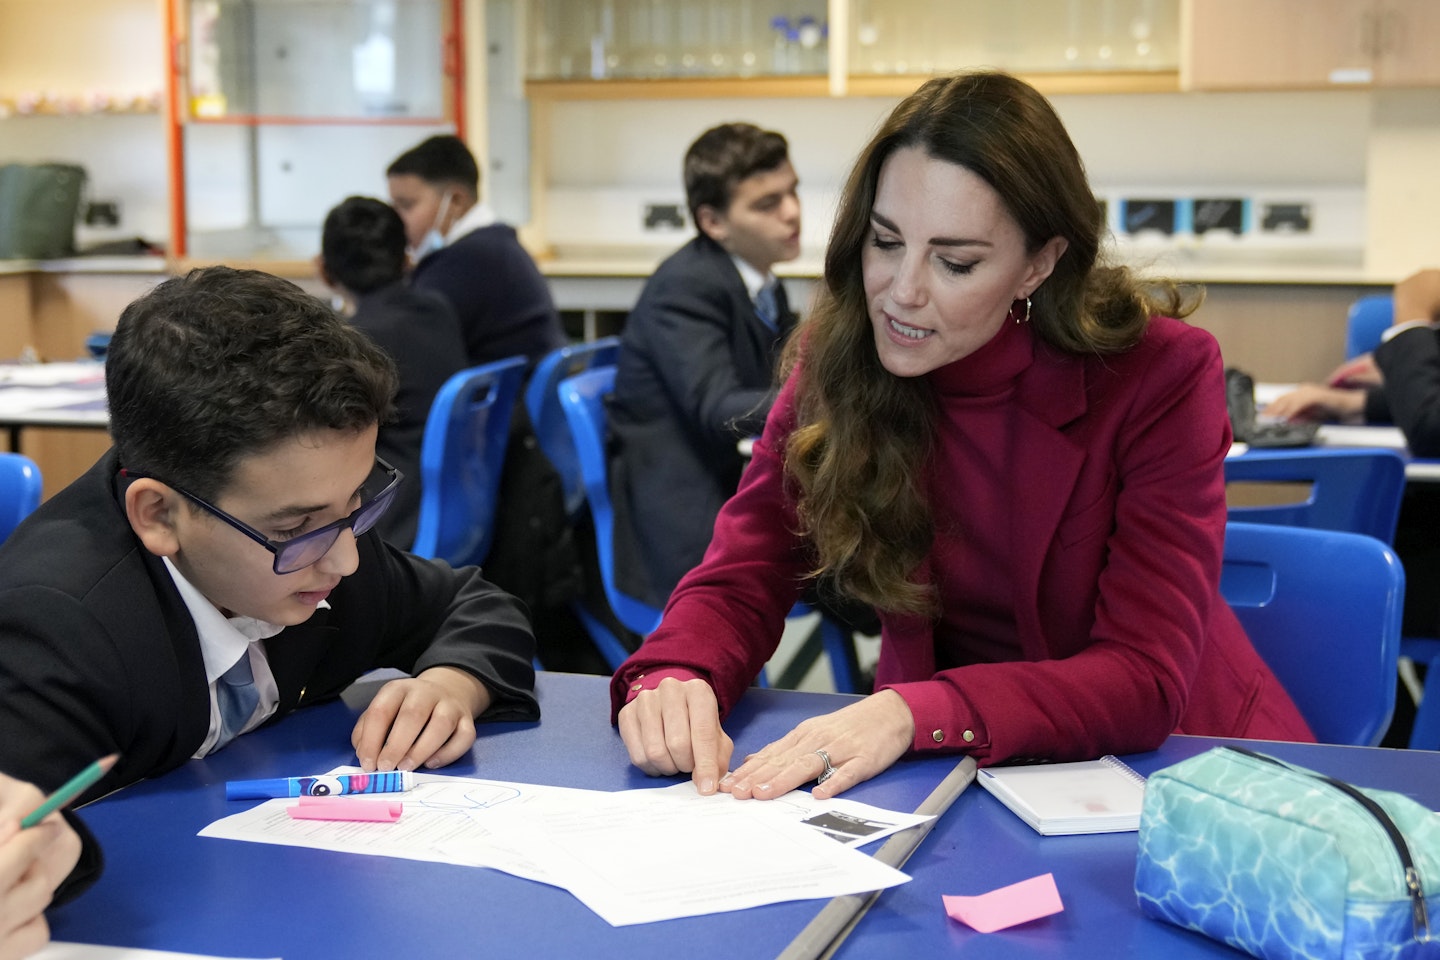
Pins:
<point x="1310" y="401"/>
<point x="1358" y="371"/>
<point x="32" y="864"/>
<point x="428" y="720"/>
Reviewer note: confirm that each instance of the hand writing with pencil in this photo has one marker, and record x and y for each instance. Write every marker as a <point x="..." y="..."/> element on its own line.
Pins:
<point x="33" y="862"/>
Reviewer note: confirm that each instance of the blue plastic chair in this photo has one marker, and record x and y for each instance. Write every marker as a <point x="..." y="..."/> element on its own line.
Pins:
<point x="542" y="401"/>
<point x="461" y="458"/>
<point x="1367" y="320"/>
<point x="20" y="489"/>
<point x="1352" y="490"/>
<point x="582" y="397"/>
<point x="1323" y="609"/>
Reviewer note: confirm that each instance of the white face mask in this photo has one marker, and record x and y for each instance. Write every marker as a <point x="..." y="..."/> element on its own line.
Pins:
<point x="433" y="239"/>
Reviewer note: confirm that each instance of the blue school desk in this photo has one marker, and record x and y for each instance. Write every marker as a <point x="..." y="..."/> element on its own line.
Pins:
<point x="980" y="845"/>
<point x="166" y="888"/>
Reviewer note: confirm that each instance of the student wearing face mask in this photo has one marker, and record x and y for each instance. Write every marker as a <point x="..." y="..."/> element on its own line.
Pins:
<point x="460" y="251"/>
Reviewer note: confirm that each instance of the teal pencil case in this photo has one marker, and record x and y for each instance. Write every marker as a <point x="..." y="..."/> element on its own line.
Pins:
<point x="1285" y="863"/>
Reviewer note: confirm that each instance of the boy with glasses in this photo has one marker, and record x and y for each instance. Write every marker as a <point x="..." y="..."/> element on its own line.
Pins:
<point x="214" y="571"/>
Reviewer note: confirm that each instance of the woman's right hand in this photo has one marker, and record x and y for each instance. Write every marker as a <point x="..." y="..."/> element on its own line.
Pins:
<point x="33" y="863"/>
<point x="675" y="728"/>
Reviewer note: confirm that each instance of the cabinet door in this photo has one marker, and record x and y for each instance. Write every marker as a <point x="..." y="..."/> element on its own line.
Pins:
<point x="1409" y="43"/>
<point x="1279" y="44"/>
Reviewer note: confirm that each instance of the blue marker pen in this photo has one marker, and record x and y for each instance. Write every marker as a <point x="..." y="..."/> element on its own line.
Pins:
<point x="394" y="781"/>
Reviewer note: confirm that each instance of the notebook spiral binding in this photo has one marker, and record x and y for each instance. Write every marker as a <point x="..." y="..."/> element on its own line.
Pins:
<point x="1124" y="768"/>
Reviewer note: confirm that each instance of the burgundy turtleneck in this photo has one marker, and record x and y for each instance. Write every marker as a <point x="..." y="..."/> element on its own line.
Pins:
<point x="972" y="500"/>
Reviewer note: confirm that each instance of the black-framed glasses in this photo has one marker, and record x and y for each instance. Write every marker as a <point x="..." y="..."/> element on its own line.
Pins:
<point x="297" y="553"/>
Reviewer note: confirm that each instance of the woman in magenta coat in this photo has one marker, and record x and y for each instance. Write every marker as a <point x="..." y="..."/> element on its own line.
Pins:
<point x="1008" y="449"/>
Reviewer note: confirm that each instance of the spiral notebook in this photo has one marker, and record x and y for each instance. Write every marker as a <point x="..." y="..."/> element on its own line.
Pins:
<point x="1083" y="796"/>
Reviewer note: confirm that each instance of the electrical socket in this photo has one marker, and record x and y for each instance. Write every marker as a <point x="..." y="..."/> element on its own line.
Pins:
<point x="664" y="216"/>
<point x="102" y="213"/>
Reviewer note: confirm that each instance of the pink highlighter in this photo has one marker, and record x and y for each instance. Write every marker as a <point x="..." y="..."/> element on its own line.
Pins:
<point x="346" y="808"/>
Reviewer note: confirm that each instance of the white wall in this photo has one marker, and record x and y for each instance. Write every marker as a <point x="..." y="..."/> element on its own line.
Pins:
<point x="607" y="158"/>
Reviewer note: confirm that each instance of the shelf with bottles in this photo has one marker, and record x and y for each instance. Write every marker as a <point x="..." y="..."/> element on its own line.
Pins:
<point x="320" y="61"/>
<point x="626" y="40"/>
<point x="582" y="49"/>
<point x="1038" y="37"/>
<point x="90" y="104"/>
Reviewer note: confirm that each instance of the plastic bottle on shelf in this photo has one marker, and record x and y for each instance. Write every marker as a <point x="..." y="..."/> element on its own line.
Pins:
<point x="781" y="57"/>
<point x="810" y="40"/>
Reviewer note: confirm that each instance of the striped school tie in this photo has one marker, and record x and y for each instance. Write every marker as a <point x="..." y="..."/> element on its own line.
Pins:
<point x="238" y="697"/>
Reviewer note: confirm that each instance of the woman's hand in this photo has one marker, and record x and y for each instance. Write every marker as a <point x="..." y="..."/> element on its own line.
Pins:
<point x="861" y="740"/>
<point x="675" y="728"/>
<point x="1310" y="401"/>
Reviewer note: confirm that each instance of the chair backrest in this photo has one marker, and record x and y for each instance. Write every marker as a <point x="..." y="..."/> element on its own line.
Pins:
<point x="542" y="402"/>
<point x="461" y="459"/>
<point x="1351" y="490"/>
<point x="1366" y="321"/>
<point x="20" y="486"/>
<point x="1323" y="609"/>
<point x="582" y="397"/>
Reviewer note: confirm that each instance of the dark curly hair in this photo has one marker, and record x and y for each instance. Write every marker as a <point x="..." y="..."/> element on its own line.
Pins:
<point x="219" y="364"/>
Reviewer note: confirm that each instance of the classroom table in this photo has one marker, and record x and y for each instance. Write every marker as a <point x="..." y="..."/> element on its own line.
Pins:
<point x="980" y="845"/>
<point x="1417" y="469"/>
<point x="166" y="888"/>
<point x="68" y="395"/>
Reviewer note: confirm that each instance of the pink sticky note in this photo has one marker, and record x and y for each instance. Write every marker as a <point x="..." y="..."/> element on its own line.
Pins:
<point x="1027" y="900"/>
<point x="346" y="808"/>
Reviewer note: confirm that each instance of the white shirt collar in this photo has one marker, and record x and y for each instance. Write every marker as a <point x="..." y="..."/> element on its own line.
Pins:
<point x="754" y="280"/>
<point x="222" y="639"/>
<point x="476" y="217"/>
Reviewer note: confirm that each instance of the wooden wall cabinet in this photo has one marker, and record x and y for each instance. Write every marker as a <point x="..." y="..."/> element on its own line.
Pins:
<point x="1309" y="44"/>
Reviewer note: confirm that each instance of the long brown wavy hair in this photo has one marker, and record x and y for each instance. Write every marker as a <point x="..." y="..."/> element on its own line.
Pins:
<point x="864" y="434"/>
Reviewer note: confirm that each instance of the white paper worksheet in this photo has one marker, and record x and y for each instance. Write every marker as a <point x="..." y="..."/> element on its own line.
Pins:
<point x="632" y="856"/>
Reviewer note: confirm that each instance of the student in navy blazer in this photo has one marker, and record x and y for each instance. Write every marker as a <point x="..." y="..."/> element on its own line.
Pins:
<point x="362" y="258"/>
<point x="217" y="568"/>
<point x="698" y="356"/>
<point x="461" y="252"/>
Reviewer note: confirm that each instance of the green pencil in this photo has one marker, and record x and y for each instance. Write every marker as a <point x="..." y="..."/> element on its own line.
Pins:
<point x="72" y="788"/>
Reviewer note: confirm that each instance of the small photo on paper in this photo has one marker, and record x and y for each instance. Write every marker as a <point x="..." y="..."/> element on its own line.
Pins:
<point x="843" y="827"/>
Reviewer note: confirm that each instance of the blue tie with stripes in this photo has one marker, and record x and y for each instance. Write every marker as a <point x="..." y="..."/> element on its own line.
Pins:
<point x="238" y="697"/>
<point x="766" y="307"/>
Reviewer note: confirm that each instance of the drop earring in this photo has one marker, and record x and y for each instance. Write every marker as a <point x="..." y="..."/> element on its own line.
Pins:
<point x="1026" y="318"/>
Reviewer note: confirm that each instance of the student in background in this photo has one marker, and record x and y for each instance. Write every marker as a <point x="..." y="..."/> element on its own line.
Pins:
<point x="1397" y="384"/>
<point x="1005" y="446"/>
<point x="34" y="867"/>
<point x="462" y="253"/>
<point x="698" y="356"/>
<point x="505" y="310"/>
<point x="362" y="257"/>
<point x="216" y="570"/>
